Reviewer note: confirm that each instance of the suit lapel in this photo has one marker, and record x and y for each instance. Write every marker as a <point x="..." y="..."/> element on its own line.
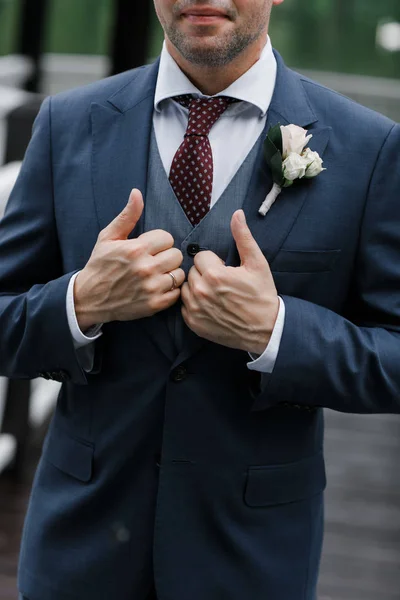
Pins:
<point x="271" y="231"/>
<point x="120" y="145"/>
<point x="289" y="105"/>
<point x="121" y="131"/>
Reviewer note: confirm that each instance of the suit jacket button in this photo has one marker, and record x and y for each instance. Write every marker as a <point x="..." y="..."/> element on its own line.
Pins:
<point x="193" y="249"/>
<point x="179" y="374"/>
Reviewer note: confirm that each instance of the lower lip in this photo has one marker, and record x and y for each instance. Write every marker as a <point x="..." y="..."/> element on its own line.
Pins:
<point x="204" y="19"/>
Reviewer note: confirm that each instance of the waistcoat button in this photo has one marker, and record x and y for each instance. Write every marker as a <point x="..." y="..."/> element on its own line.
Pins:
<point x="193" y="249"/>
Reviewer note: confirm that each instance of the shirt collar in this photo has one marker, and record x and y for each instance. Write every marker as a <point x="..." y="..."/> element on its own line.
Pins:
<point x="256" y="86"/>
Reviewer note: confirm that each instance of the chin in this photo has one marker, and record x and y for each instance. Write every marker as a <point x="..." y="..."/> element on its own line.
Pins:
<point x="205" y="56"/>
<point x="204" y="44"/>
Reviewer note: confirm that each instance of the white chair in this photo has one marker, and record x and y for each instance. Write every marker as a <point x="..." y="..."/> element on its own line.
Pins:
<point x="42" y="401"/>
<point x="15" y="70"/>
<point x="8" y="443"/>
<point x="8" y="177"/>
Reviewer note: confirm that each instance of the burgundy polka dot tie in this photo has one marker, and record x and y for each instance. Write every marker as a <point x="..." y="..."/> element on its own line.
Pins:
<point x="191" y="175"/>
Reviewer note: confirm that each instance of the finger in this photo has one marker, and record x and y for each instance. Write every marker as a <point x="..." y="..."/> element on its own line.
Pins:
<point x="194" y="278"/>
<point x="206" y="260"/>
<point x="168" y="260"/>
<point x="168" y="299"/>
<point x="173" y="280"/>
<point x="249" y="251"/>
<point x="188" y="306"/>
<point x="126" y="221"/>
<point x="156" y="241"/>
<point x="185" y="314"/>
<point x="185" y="294"/>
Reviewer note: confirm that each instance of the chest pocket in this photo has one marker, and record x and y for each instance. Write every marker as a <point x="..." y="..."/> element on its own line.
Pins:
<point x="304" y="261"/>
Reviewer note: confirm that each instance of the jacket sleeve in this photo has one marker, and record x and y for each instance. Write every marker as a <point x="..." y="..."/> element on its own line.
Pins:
<point x="350" y="363"/>
<point x="35" y="339"/>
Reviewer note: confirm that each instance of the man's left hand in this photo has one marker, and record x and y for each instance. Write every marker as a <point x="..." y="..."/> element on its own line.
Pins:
<point x="232" y="306"/>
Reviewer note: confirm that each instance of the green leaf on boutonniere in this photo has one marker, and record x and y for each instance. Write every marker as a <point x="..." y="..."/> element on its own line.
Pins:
<point x="275" y="135"/>
<point x="276" y="169"/>
<point x="273" y="147"/>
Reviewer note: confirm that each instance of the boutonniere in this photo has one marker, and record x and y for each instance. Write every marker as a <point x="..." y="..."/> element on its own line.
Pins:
<point x="288" y="158"/>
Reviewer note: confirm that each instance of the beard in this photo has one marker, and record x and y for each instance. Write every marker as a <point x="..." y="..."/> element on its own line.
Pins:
<point x="223" y="49"/>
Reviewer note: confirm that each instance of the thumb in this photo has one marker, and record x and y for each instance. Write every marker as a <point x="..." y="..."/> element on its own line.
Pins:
<point x="249" y="251"/>
<point x="125" y="222"/>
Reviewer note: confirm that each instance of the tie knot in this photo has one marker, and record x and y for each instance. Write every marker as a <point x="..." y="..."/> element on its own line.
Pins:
<point x="203" y="112"/>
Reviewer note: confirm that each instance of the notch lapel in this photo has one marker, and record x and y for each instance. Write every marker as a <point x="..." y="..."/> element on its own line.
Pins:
<point x="289" y="104"/>
<point x="120" y="145"/>
<point x="121" y="131"/>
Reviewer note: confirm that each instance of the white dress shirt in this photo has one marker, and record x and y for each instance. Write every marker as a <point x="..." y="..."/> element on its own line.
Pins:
<point x="231" y="138"/>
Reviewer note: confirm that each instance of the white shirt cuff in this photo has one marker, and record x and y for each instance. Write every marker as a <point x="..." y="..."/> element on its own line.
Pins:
<point x="80" y="339"/>
<point x="266" y="362"/>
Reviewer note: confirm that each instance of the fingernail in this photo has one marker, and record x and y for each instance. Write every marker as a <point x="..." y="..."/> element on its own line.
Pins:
<point x="241" y="217"/>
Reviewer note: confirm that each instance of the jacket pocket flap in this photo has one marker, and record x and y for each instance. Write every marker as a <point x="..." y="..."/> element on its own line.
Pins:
<point x="295" y="261"/>
<point x="70" y="455"/>
<point x="281" y="484"/>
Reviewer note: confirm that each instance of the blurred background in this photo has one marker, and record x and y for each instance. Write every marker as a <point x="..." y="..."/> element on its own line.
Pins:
<point x="353" y="46"/>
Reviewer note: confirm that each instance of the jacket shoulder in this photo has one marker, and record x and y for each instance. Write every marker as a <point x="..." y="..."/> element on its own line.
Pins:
<point x="79" y="99"/>
<point x="338" y="110"/>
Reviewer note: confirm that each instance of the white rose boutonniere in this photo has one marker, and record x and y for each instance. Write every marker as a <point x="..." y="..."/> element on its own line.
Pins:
<point x="294" y="167"/>
<point x="288" y="158"/>
<point x="314" y="163"/>
<point x="294" y="139"/>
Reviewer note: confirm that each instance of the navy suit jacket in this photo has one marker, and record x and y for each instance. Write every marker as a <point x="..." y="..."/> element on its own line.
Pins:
<point x="191" y="469"/>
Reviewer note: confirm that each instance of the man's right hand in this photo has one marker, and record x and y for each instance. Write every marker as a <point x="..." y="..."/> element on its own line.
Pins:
<point x="128" y="279"/>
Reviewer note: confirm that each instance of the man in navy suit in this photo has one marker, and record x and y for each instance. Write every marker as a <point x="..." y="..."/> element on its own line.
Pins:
<point x="196" y="340"/>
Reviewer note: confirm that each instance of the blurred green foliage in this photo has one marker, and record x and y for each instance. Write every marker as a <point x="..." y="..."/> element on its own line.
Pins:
<point x="9" y="13"/>
<point x="334" y="35"/>
<point x="79" y="26"/>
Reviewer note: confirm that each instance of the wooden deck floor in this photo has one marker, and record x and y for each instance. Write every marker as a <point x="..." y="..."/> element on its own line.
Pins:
<point x="14" y="495"/>
<point x="361" y="559"/>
